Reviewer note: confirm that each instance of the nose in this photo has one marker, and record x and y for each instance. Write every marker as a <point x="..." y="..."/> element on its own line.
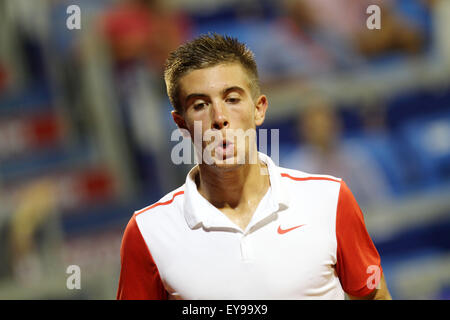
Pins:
<point x="219" y="117"/>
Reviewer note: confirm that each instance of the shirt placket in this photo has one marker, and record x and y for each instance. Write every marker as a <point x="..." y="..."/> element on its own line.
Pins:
<point x="246" y="248"/>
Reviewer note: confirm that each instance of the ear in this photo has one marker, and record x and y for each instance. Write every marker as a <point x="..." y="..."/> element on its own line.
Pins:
<point x="260" y="111"/>
<point x="179" y="120"/>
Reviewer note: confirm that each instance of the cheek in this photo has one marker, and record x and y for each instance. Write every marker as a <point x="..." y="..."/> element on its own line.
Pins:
<point x="197" y="126"/>
<point x="202" y="118"/>
<point x="243" y="113"/>
<point x="248" y="118"/>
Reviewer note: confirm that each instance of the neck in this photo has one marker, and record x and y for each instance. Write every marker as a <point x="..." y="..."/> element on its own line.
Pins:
<point x="234" y="188"/>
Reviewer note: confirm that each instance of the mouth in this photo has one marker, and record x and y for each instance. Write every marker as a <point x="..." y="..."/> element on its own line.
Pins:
<point x="225" y="149"/>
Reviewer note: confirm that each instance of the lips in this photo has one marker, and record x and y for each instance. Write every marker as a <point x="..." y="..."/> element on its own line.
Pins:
<point x="225" y="149"/>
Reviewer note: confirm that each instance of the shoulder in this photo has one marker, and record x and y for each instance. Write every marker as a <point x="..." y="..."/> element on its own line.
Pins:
<point x="313" y="196"/>
<point x="152" y="219"/>
<point x="171" y="197"/>
<point x="304" y="185"/>
<point x="310" y="187"/>
<point x="291" y="175"/>
<point x="165" y="208"/>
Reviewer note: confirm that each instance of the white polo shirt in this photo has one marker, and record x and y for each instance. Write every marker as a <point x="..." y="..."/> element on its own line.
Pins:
<point x="306" y="240"/>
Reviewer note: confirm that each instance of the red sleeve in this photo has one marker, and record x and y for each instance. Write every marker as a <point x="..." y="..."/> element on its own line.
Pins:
<point x="139" y="276"/>
<point x="357" y="257"/>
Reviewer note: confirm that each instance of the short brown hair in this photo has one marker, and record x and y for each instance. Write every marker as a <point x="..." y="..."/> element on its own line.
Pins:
<point x="204" y="52"/>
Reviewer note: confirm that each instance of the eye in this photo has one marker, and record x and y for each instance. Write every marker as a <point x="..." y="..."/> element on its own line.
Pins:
<point x="199" y="106"/>
<point x="233" y="100"/>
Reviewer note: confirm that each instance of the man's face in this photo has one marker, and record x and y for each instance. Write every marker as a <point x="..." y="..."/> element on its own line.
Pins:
<point x="220" y="99"/>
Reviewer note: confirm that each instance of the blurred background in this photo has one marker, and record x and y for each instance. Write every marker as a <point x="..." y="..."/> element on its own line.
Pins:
<point x="85" y="125"/>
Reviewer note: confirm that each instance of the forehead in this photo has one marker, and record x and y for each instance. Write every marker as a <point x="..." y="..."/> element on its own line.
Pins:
<point x="214" y="79"/>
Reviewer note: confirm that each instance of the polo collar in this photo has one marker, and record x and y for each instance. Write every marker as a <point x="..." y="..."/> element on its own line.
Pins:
<point x="198" y="210"/>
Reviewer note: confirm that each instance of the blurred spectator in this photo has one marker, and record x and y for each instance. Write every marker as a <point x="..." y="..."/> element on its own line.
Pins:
<point x="144" y="30"/>
<point x="342" y="17"/>
<point x="374" y="116"/>
<point x="322" y="151"/>
<point x="3" y="78"/>
<point x="339" y="27"/>
<point x="35" y="211"/>
<point x="326" y="27"/>
<point x="397" y="34"/>
<point x="378" y="140"/>
<point x="140" y="35"/>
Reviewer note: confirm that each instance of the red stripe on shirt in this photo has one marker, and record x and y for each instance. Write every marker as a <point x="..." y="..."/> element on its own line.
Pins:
<point x="307" y="178"/>
<point x="160" y="203"/>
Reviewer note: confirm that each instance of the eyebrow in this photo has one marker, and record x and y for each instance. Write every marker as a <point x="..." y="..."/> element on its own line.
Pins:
<point x="224" y="92"/>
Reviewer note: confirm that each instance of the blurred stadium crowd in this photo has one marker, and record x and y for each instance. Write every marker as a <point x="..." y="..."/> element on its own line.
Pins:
<point x="85" y="125"/>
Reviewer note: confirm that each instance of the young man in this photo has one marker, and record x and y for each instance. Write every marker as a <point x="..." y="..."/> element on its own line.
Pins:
<point x="242" y="227"/>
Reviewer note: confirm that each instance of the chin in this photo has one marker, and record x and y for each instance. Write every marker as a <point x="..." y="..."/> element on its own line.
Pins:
<point x="227" y="167"/>
<point x="227" y="164"/>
